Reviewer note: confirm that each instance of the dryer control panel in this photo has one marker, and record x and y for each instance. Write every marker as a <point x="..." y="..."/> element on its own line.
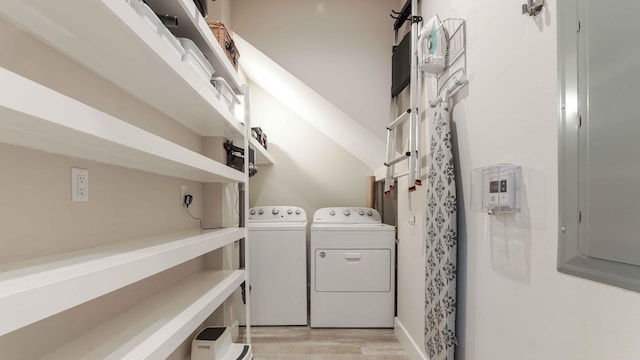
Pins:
<point x="347" y="215"/>
<point x="277" y="213"/>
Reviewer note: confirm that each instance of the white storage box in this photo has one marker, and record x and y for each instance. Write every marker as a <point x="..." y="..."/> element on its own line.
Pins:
<point x="225" y="93"/>
<point x="211" y="344"/>
<point x="158" y="27"/>
<point x="196" y="59"/>
<point x="214" y="343"/>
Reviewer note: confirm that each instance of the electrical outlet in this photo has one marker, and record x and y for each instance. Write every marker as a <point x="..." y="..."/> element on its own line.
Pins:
<point x="184" y="190"/>
<point x="79" y="184"/>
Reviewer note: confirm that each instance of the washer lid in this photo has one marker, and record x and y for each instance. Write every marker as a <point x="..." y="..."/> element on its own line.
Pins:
<point x="279" y="214"/>
<point x="347" y="215"/>
<point x="277" y="226"/>
<point x="351" y="227"/>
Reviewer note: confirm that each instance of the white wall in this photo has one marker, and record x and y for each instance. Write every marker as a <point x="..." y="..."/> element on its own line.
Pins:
<point x="322" y="43"/>
<point x="310" y="106"/>
<point x="219" y="10"/>
<point x="513" y="303"/>
<point x="310" y="170"/>
<point x="341" y="49"/>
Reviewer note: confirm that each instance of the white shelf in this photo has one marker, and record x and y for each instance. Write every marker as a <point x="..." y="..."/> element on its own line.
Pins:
<point x="96" y="271"/>
<point x="110" y="38"/>
<point x="193" y="26"/>
<point x="156" y="327"/>
<point x="37" y="117"/>
<point x="262" y="155"/>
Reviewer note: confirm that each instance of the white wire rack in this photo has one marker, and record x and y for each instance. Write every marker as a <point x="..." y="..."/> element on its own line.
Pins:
<point x="455" y="32"/>
<point x="454" y="75"/>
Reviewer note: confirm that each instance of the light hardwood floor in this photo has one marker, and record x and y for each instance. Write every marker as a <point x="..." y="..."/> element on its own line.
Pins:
<point x="304" y="343"/>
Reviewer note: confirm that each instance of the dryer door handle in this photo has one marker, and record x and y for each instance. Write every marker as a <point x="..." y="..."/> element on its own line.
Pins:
<point x="353" y="256"/>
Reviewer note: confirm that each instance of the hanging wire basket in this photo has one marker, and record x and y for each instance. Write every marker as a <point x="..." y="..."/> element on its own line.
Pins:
<point x="440" y="44"/>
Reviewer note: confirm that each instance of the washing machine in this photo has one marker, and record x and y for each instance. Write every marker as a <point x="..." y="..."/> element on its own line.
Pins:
<point x="278" y="265"/>
<point x="352" y="269"/>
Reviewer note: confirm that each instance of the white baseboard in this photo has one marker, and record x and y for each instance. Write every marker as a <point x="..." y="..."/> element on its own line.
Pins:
<point x="412" y="349"/>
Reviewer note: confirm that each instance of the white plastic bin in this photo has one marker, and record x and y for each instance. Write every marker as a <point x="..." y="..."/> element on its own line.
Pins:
<point x="225" y="93"/>
<point x="196" y="59"/>
<point x="158" y="27"/>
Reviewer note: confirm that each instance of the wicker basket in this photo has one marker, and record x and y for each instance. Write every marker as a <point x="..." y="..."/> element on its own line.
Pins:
<point x="226" y="42"/>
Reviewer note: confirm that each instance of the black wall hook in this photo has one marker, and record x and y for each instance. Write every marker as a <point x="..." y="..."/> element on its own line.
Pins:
<point x="402" y="15"/>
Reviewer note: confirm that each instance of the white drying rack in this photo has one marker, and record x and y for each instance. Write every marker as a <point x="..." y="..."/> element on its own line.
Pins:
<point x="449" y="80"/>
<point x="410" y="114"/>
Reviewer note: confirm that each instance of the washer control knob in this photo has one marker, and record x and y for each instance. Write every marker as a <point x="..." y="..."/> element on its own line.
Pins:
<point x="322" y="254"/>
<point x="370" y="213"/>
<point x="346" y="212"/>
<point x="252" y="211"/>
<point x="361" y="212"/>
<point x="275" y="211"/>
<point x="261" y="211"/>
<point x="289" y="211"/>
<point x="332" y="212"/>
<point x="298" y="211"/>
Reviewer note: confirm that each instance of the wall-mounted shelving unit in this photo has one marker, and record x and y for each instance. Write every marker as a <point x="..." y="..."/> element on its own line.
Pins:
<point x="97" y="271"/>
<point x="111" y="40"/>
<point x="153" y="329"/>
<point x="116" y="43"/>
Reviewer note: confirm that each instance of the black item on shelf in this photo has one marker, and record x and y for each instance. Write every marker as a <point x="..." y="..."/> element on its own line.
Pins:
<point x="256" y="132"/>
<point x="235" y="158"/>
<point x="244" y="296"/>
<point x="202" y="7"/>
<point x="168" y="20"/>
<point x="401" y="65"/>
<point x="259" y="135"/>
<point x="211" y="333"/>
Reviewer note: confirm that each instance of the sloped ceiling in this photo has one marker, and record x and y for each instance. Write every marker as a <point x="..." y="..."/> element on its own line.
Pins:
<point x="310" y="105"/>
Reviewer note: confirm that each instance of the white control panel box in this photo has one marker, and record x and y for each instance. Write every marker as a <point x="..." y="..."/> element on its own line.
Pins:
<point x="496" y="189"/>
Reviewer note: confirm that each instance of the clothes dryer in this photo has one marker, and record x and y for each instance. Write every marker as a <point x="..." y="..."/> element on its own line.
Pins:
<point x="352" y="268"/>
<point x="278" y="265"/>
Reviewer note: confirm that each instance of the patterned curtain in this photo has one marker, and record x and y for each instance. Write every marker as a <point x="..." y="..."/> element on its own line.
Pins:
<point x="442" y="239"/>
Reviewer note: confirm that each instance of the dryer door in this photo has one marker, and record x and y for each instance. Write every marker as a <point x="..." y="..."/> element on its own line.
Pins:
<point x="353" y="270"/>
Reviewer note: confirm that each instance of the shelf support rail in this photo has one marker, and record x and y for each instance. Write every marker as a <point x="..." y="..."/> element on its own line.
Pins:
<point x="245" y="210"/>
